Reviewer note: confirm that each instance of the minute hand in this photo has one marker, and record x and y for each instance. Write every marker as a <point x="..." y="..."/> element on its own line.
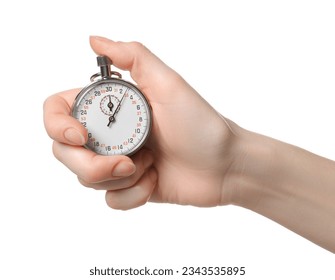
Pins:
<point x="112" y="118"/>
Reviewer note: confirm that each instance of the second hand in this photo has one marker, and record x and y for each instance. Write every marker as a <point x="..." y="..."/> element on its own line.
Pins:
<point x="112" y="118"/>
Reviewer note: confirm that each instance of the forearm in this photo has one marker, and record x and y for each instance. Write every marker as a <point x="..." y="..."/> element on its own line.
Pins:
<point x="288" y="185"/>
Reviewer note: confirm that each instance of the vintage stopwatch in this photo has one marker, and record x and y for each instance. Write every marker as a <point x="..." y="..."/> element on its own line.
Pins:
<point x="115" y="113"/>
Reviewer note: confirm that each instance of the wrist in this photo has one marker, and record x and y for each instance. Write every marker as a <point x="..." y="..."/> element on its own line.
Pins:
<point x="284" y="183"/>
<point x="255" y="171"/>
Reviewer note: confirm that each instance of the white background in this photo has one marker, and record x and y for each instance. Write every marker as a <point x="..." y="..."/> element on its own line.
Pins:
<point x="267" y="65"/>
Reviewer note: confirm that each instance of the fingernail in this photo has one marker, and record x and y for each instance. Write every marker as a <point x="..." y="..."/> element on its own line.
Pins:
<point x="73" y="136"/>
<point x="124" y="169"/>
<point x="99" y="38"/>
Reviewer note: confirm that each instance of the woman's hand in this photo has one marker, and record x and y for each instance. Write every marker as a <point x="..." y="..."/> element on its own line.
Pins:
<point x="186" y="158"/>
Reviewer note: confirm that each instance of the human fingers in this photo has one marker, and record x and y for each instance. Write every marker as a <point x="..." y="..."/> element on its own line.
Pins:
<point x="142" y="160"/>
<point x="149" y="72"/>
<point x="59" y="123"/>
<point x="92" y="167"/>
<point x="134" y="196"/>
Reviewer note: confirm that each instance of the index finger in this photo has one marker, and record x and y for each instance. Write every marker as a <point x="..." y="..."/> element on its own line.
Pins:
<point x="59" y="123"/>
<point x="151" y="74"/>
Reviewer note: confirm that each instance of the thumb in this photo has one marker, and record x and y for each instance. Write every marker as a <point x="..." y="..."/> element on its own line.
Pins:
<point x="58" y="123"/>
<point x="147" y="70"/>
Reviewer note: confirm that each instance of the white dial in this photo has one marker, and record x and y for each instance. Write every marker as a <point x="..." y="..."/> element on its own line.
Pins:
<point x="116" y="115"/>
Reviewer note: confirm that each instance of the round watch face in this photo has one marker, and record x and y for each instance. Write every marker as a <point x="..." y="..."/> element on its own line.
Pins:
<point x="116" y="115"/>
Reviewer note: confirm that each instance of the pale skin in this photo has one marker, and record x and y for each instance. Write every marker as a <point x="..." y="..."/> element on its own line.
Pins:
<point x="224" y="164"/>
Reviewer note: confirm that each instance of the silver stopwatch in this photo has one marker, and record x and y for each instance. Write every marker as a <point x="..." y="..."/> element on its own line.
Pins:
<point x="115" y="113"/>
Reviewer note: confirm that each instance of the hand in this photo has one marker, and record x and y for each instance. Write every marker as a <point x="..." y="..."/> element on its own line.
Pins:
<point x="195" y="156"/>
<point x="187" y="157"/>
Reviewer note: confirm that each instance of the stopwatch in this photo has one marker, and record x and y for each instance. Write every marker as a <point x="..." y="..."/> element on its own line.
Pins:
<point x="115" y="112"/>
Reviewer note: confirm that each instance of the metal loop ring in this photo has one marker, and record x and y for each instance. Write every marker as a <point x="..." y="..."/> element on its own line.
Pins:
<point x="93" y="77"/>
<point x="116" y="74"/>
<point x="96" y="75"/>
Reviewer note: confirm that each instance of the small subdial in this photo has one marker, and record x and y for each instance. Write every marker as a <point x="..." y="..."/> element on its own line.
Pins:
<point x="108" y="104"/>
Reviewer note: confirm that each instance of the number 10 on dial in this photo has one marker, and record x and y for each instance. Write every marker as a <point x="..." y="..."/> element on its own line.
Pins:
<point x="115" y="113"/>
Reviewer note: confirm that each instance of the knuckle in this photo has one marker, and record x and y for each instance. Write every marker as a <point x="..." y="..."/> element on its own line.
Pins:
<point x="46" y="102"/>
<point x="113" y="203"/>
<point x="137" y="50"/>
<point x="83" y="182"/>
<point x="91" y="176"/>
<point x="137" y="45"/>
<point x="55" y="150"/>
<point x="89" y="185"/>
